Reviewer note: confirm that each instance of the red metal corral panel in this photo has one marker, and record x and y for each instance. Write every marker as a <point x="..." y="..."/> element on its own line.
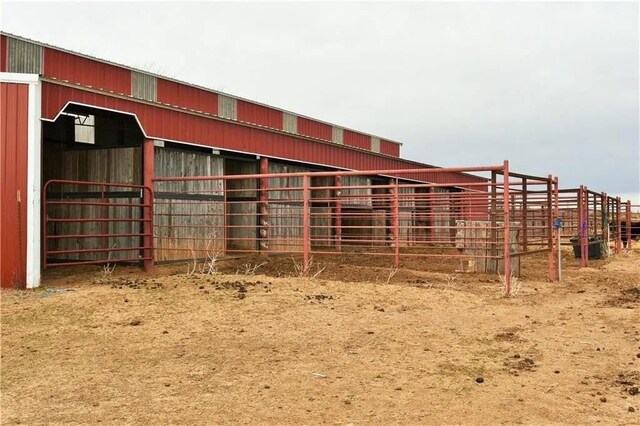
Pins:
<point x="14" y="108"/>
<point x="258" y="114"/>
<point x="314" y="129"/>
<point x="390" y="148"/>
<point x="3" y="53"/>
<point x="352" y="138"/>
<point x="173" y="93"/>
<point x="76" y="69"/>
<point x="170" y="124"/>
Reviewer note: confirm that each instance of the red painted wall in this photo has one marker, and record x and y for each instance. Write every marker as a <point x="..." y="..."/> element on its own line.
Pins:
<point x="181" y="95"/>
<point x="14" y="107"/>
<point x="258" y="114"/>
<point x="3" y="54"/>
<point x="358" y="140"/>
<point x="76" y="69"/>
<point x="171" y="124"/>
<point x="314" y="129"/>
<point x="389" y="148"/>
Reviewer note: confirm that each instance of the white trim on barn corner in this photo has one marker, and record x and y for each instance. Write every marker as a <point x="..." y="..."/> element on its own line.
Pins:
<point x="34" y="164"/>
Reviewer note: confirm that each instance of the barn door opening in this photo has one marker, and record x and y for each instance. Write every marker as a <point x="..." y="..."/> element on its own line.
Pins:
<point x="93" y="210"/>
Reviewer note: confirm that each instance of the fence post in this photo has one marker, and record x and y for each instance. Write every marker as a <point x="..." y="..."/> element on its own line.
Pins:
<point x="581" y="226"/>
<point x="338" y="211"/>
<point x="507" y="232"/>
<point x="604" y="213"/>
<point x="494" y="222"/>
<point x="619" y="222"/>
<point x="525" y="207"/>
<point x="263" y="206"/>
<point x="395" y="217"/>
<point x="550" y="229"/>
<point x="148" y="164"/>
<point x="628" y="225"/>
<point x="305" y="225"/>
<point x="556" y="193"/>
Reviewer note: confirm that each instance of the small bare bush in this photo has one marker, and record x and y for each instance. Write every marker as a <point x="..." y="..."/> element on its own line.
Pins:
<point x="301" y="269"/>
<point x="516" y="285"/>
<point x="249" y="268"/>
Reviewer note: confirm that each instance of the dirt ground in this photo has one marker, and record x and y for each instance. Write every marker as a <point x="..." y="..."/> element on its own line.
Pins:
<point x="354" y="345"/>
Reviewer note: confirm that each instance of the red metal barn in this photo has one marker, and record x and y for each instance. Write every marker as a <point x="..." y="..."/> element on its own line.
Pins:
<point x="89" y="122"/>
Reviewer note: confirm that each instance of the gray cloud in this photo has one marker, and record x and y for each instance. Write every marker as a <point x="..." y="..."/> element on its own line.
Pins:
<point x="553" y="87"/>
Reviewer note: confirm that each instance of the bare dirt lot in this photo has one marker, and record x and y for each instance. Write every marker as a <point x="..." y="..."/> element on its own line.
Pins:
<point x="353" y="345"/>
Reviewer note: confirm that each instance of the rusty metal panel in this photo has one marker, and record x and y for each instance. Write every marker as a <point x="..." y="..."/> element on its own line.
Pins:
<point x="143" y="86"/>
<point x="14" y="105"/>
<point x="337" y="135"/>
<point x="23" y="56"/>
<point x="184" y="96"/>
<point x="77" y="69"/>
<point x="227" y="107"/>
<point x="375" y="144"/>
<point x="290" y="123"/>
<point x="258" y="114"/>
<point x="315" y="129"/>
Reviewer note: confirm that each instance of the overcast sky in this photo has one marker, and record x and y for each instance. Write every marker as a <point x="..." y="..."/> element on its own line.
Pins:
<point x="553" y="87"/>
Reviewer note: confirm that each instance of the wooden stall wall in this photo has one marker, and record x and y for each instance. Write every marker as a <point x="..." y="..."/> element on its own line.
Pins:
<point x="189" y="215"/>
<point x="285" y="209"/>
<point x="242" y="196"/>
<point x="116" y="165"/>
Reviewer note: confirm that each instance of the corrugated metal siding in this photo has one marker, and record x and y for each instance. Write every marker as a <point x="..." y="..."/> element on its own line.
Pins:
<point x="227" y="107"/>
<point x="258" y="114"/>
<point x="64" y="66"/>
<point x="337" y="135"/>
<point x="290" y="123"/>
<point x="390" y="148"/>
<point x="358" y="140"/>
<point x="24" y="57"/>
<point x="3" y="53"/>
<point x="168" y="124"/>
<point x="143" y="86"/>
<point x="375" y="144"/>
<point x="14" y="107"/>
<point x="184" y="96"/>
<point x="314" y="129"/>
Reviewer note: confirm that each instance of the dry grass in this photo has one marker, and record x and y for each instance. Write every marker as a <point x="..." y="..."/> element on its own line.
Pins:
<point x="220" y="349"/>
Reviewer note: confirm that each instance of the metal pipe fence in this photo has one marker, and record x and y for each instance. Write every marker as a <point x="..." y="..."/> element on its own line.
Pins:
<point x="482" y="227"/>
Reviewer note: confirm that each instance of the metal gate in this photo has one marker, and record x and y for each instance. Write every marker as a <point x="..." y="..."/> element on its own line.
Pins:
<point x="96" y="223"/>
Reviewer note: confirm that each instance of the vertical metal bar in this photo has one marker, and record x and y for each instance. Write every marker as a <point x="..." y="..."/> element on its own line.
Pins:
<point x="263" y="206"/>
<point x="148" y="162"/>
<point x="556" y="188"/>
<point x="595" y="215"/>
<point x="525" y="236"/>
<point x="395" y="215"/>
<point x="628" y="225"/>
<point x="619" y="222"/>
<point x="337" y="182"/>
<point x="507" y="233"/>
<point x="493" y="245"/>
<point x="305" y="224"/>
<point x="549" y="228"/>
<point x="586" y="231"/>
<point x="225" y="218"/>
<point x="604" y="219"/>
<point x="44" y="226"/>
